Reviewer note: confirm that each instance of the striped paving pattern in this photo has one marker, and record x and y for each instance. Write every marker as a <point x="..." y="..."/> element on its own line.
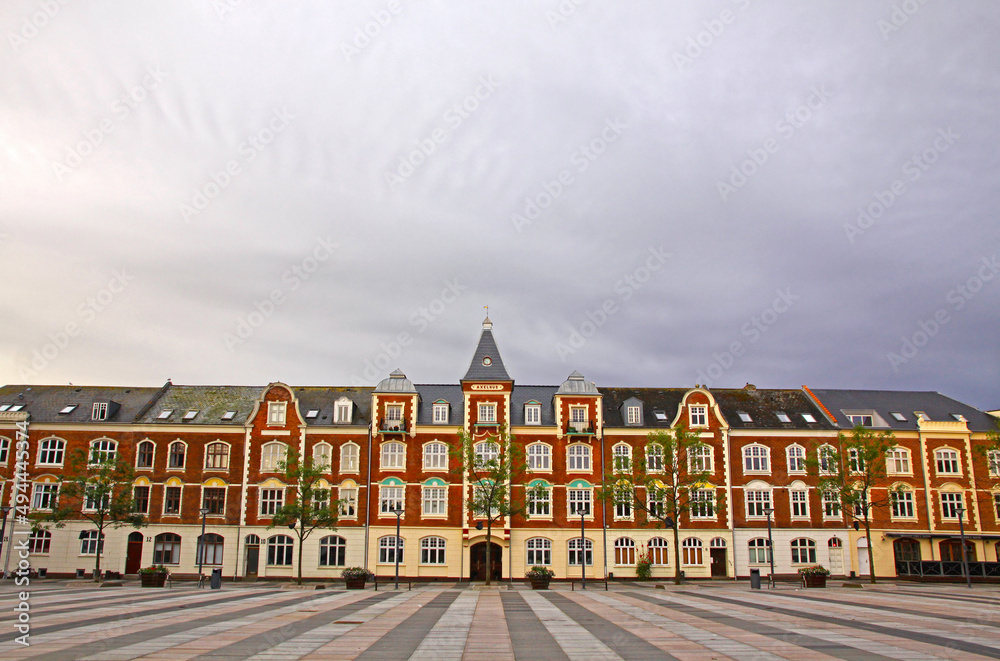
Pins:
<point x="74" y="621"/>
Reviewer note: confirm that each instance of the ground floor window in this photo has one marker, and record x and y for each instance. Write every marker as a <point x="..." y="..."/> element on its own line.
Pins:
<point x="167" y="549"/>
<point x="332" y="551"/>
<point x="210" y="549"/>
<point x="803" y="552"/>
<point x="691" y="549"/>
<point x="39" y="540"/>
<point x="624" y="551"/>
<point x="388" y="549"/>
<point x="279" y="550"/>
<point x="906" y="550"/>
<point x="432" y="551"/>
<point x="658" y="552"/>
<point x="760" y="551"/>
<point x="539" y="551"/>
<point x="578" y="549"/>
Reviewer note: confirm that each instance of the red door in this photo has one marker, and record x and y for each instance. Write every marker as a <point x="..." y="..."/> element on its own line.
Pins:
<point x="133" y="556"/>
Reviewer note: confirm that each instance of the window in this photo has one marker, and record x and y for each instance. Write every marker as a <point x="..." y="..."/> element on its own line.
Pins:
<point x="539" y="501"/>
<point x="809" y="417"/>
<point x="342" y="411"/>
<point x="50" y="452"/>
<point x="435" y="456"/>
<point x="333" y="551"/>
<point x="827" y="457"/>
<point x="654" y="457"/>
<point x="993" y="459"/>
<point x="532" y="414"/>
<point x="4" y="450"/>
<point x="175" y="459"/>
<point x="661" y="416"/>
<point x="831" y="505"/>
<point x="279" y="551"/>
<point x="390" y="498"/>
<point x="624" y="494"/>
<point x="172" y="500"/>
<point x="271" y="500"/>
<point x="322" y="456"/>
<point x="214" y="500"/>
<point x="349" y="453"/>
<point x="578" y="457"/>
<point x="435" y="501"/>
<point x="432" y="551"/>
<point x="783" y="417"/>
<point x="393" y="416"/>
<point x="656" y="501"/>
<point x="745" y="417"/>
<point x="951" y="503"/>
<point x="622" y="458"/>
<point x="271" y="455"/>
<point x="624" y="551"/>
<point x="167" y="549"/>
<point x="897" y="461"/>
<point x="39" y="541"/>
<point x="691" y="551"/>
<point x="539" y="457"/>
<point x="89" y="543"/>
<point x="702" y="504"/>
<point x="902" y="504"/>
<point x="862" y="420"/>
<point x="539" y="551"/>
<point x="578" y="548"/>
<point x="487" y="453"/>
<point x="312" y="414"/>
<point x="388" y="549"/>
<point x="164" y="414"/>
<point x="69" y="408"/>
<point x="796" y="459"/>
<point x="699" y="417"/>
<point x="100" y="411"/>
<point x="483" y="496"/>
<point x="393" y="456"/>
<point x="578" y="419"/>
<point x="800" y="503"/>
<point x="756" y="459"/>
<point x="440" y="414"/>
<point x="760" y="551"/>
<point x="947" y="462"/>
<point x="700" y="458"/>
<point x="190" y="415"/>
<point x="45" y="496"/>
<point x="633" y="415"/>
<point x="579" y="501"/>
<point x="348" y="501"/>
<point x="140" y="500"/>
<point x="103" y="452"/>
<point x="758" y="502"/>
<point x="487" y="413"/>
<point x="144" y="455"/>
<point x="899" y="416"/>
<point x="658" y="553"/>
<point x="803" y="551"/>
<point x="209" y="549"/>
<point x="276" y="413"/>
<point x="855" y="460"/>
<point x="92" y="502"/>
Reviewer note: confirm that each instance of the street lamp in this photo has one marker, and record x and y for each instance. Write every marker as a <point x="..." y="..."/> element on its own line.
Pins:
<point x="770" y="545"/>
<point x="965" y="558"/>
<point x="201" y="545"/>
<point x="583" y="511"/>
<point x="3" y="531"/>
<point x="398" y="511"/>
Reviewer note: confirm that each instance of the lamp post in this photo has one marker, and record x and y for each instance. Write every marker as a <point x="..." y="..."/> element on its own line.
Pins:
<point x="965" y="558"/>
<point x="3" y="531"/>
<point x="201" y="544"/>
<point x="583" y="510"/>
<point x="398" y="511"/>
<point x="770" y="545"/>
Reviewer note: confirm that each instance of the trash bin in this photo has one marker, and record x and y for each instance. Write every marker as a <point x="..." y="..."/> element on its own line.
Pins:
<point x="755" y="579"/>
<point x="216" y="578"/>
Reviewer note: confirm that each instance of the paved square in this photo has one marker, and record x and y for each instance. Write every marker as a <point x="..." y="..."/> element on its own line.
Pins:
<point x="76" y="620"/>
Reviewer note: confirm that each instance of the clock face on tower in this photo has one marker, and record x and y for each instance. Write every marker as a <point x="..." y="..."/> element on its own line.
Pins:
<point x="487" y="361"/>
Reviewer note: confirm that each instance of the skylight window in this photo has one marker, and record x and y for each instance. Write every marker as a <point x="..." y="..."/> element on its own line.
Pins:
<point x="899" y="416"/>
<point x="783" y="417"/>
<point x="190" y="415"/>
<point x="958" y="416"/>
<point x="312" y="413"/>
<point x="67" y="409"/>
<point x="4" y="407"/>
<point x="164" y="414"/>
<point x="17" y="407"/>
<point x="229" y="415"/>
<point x="660" y="415"/>
<point x="745" y="417"/>
<point x="808" y="417"/>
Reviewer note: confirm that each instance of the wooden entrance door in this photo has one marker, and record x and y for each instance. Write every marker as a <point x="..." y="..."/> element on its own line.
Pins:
<point x="133" y="553"/>
<point x="477" y="562"/>
<point x="718" y="562"/>
<point x="253" y="553"/>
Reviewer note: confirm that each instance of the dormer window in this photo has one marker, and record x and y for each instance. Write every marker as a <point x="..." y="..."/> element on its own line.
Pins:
<point x="578" y="418"/>
<point x="100" y="411"/>
<point x="783" y="417"/>
<point x="440" y="411"/>
<point x="532" y="413"/>
<point x="862" y="420"/>
<point x="343" y="411"/>
<point x="633" y="415"/>
<point x="69" y="408"/>
<point x="699" y="416"/>
<point x="164" y="414"/>
<point x="276" y="413"/>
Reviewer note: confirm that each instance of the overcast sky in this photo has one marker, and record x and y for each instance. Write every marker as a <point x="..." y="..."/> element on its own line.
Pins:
<point x="652" y="193"/>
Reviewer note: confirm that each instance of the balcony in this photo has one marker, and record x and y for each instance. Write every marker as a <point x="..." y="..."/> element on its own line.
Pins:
<point x="391" y="426"/>
<point x="583" y="428"/>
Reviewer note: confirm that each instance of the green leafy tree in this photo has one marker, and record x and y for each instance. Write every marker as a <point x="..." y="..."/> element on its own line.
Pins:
<point x="310" y="507"/>
<point x="99" y="490"/>
<point x="666" y="481"/>
<point x="850" y="470"/>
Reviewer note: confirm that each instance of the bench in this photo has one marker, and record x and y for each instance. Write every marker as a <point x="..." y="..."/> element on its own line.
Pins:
<point x="171" y="577"/>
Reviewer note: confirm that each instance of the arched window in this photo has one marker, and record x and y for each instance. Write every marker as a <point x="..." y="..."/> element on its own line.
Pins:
<point x="658" y="551"/>
<point x="217" y="456"/>
<point x="432" y="551"/>
<point x="700" y="458"/>
<point x="827" y="457"/>
<point x="539" y="551"/>
<point x="39" y="540"/>
<point x="624" y="495"/>
<point x="103" y="450"/>
<point x="622" y="458"/>
<point x="903" y="504"/>
<point x="388" y="547"/>
<point x="897" y="461"/>
<point x="435" y="456"/>
<point x="654" y="457"/>
<point x="624" y="551"/>
<point x="89" y="542"/>
<point x="796" y="459"/>
<point x="332" y="551"/>
<point x="760" y="551"/>
<point x="691" y="548"/>
<point x="175" y="458"/>
<point x="271" y="455"/>
<point x="323" y="456"/>
<point x="348" y="497"/>
<point x="947" y="462"/>
<point x="803" y="551"/>
<point x="167" y="549"/>
<point x="578" y="457"/>
<point x="210" y="547"/>
<point x="756" y="459"/>
<point x="279" y="550"/>
<point x="906" y="550"/>
<point x="718" y="543"/>
<point x="51" y="451"/>
<point x="486" y="452"/>
<point x="144" y="454"/>
<point x="539" y="457"/>
<point x="576" y="549"/>
<point x="349" y="453"/>
<point x="835" y="543"/>
<point x="393" y="456"/>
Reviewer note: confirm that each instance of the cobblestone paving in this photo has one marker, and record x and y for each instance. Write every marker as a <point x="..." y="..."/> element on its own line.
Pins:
<point x="73" y="620"/>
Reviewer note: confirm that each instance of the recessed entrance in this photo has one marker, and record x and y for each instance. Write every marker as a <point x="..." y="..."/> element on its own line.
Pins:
<point x="133" y="553"/>
<point x="477" y="562"/>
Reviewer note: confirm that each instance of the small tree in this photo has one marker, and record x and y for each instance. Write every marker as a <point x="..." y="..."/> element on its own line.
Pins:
<point x="665" y="482"/>
<point x="850" y="471"/>
<point x="99" y="490"/>
<point x="491" y="465"/>
<point x="310" y="507"/>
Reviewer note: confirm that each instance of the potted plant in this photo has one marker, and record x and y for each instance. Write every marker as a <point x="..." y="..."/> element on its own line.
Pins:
<point x="814" y="576"/>
<point x="355" y="577"/>
<point x="539" y="577"/>
<point x="644" y="567"/>
<point x="153" y="576"/>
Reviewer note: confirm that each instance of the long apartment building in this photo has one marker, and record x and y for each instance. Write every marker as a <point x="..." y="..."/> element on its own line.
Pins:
<point x="217" y="449"/>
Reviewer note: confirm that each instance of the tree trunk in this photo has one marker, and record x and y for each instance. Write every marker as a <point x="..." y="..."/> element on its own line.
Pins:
<point x="677" y="555"/>
<point x="489" y="552"/>
<point x="301" y="540"/>
<point x="871" y="556"/>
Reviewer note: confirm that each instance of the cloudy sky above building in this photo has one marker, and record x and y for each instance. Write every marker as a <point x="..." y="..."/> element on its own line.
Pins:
<point x="652" y="193"/>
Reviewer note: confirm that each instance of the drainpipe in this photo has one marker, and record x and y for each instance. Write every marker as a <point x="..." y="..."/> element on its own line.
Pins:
<point x="368" y="485"/>
<point x="604" y="518"/>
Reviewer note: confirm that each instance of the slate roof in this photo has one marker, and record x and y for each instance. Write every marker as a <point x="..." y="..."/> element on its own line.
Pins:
<point x="324" y="399"/>
<point x="653" y="399"/>
<point x="210" y="402"/>
<point x="936" y="406"/>
<point x="487" y="348"/>
<point x="43" y="403"/>
<point x="430" y="393"/>
<point x="763" y="407"/>
<point x="541" y="394"/>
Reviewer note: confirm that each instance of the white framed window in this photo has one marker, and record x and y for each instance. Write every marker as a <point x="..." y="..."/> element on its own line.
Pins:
<point x="213" y="499"/>
<point x="270" y="501"/>
<point x="744" y="416"/>
<point x="440" y="411"/>
<point x="656" y="501"/>
<point x="758" y="502"/>
<point x="271" y="455"/>
<point x="393" y="456"/>
<point x="539" y="551"/>
<point x="51" y="451"/>
<point x="621" y="457"/>
<point x="578" y="457"/>
<point x="993" y="459"/>
<point x="577" y="499"/>
<point x="348" y="497"/>
<point x="390" y="497"/>
<point x="783" y="417"/>
<point x="624" y="494"/>
<point x="831" y="505"/>
<point x="951" y="502"/>
<point x="578" y="548"/>
<point x="487" y="413"/>
<point x="796" y="459"/>
<point x="89" y="542"/>
<point x="539" y="502"/>
<point x="659" y="555"/>
<point x="45" y="496"/>
<point x="276" y="412"/>
<point x="691" y="550"/>
<point x="432" y="551"/>
<point x="864" y="420"/>
<point x="4" y="450"/>
<point x="280" y="549"/>
<point x="103" y="450"/>
<point x="140" y="499"/>
<point x="701" y="458"/>
<point x="39" y="542"/>
<point x="176" y="455"/>
<point x="756" y="459"/>
<point x="217" y="456"/>
<point x="343" y="410"/>
<point x="481" y="495"/>
<point x="996" y="504"/>
<point x="897" y="461"/>
<point x="100" y="411"/>
<point x="436" y="456"/>
<point x="532" y="414"/>
<point x="799" y="501"/>
<point x="539" y="457"/>
<point x="578" y="418"/>
<point x="322" y="456"/>
<point x="855" y="460"/>
<point x="624" y="551"/>
<point x="349" y="457"/>
<point x="435" y="500"/>
<point x="172" y="500"/>
<point x="633" y="415"/>
<point x="947" y="462"/>
<point x="902" y="504"/>
<point x="809" y="417"/>
<point x="92" y="502"/>
<point x="393" y="416"/>
<point x="332" y="551"/>
<point x="803" y="551"/>
<point x="702" y="504"/>
<point x="167" y="549"/>
<point x="654" y="458"/>
<point x="698" y="416"/>
<point x="827" y="457"/>
<point x="389" y="548"/>
<point x="486" y="452"/>
<point x="760" y="551"/>
<point x="210" y="548"/>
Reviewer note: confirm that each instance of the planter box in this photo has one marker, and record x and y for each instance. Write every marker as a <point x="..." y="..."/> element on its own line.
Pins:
<point x="355" y="583"/>
<point x="539" y="583"/>
<point x="814" y="581"/>
<point x="152" y="580"/>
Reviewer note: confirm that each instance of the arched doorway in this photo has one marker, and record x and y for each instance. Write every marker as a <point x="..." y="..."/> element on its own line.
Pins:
<point x="477" y="562"/>
<point x="252" y="556"/>
<point x="951" y="550"/>
<point x="133" y="553"/>
<point x="717" y="551"/>
<point x="835" y="547"/>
